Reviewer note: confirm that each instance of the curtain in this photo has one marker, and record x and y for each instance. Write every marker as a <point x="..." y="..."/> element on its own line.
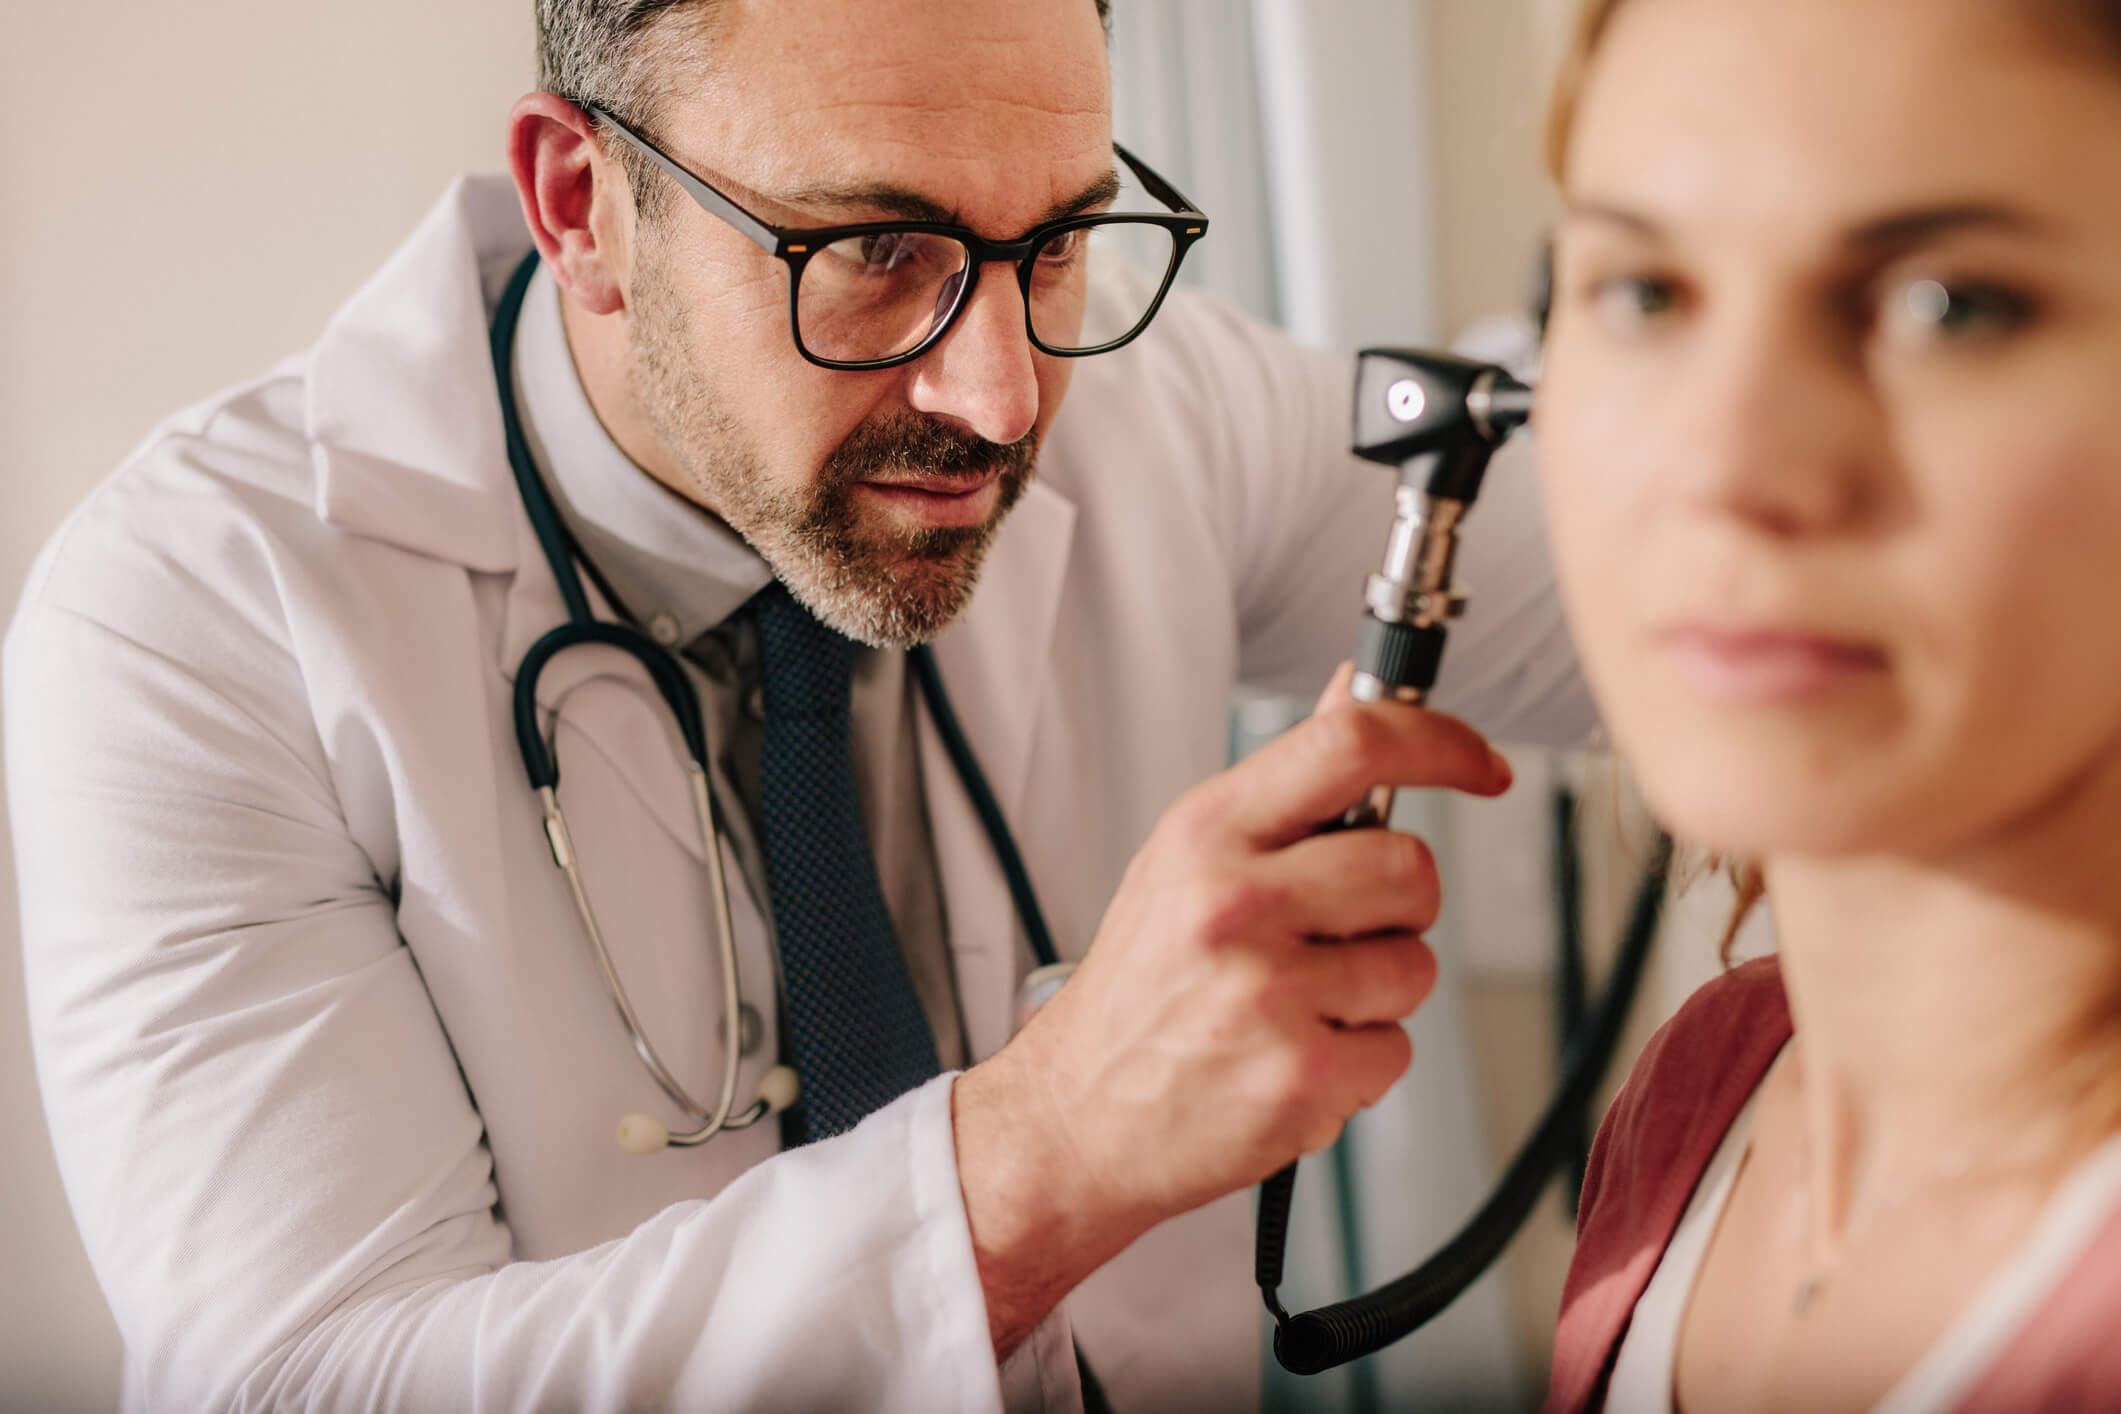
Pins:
<point x="1302" y="130"/>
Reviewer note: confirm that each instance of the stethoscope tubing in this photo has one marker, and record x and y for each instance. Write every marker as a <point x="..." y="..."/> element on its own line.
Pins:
<point x="674" y="685"/>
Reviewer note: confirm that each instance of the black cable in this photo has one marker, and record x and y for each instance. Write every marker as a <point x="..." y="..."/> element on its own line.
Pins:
<point x="1313" y="1341"/>
<point x="1572" y="986"/>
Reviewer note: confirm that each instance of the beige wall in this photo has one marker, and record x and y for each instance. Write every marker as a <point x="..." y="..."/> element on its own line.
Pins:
<point x="192" y="188"/>
<point x="1487" y="103"/>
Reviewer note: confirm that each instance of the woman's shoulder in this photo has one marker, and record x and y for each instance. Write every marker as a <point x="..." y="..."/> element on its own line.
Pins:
<point x="1686" y="1089"/>
<point x="1697" y="1072"/>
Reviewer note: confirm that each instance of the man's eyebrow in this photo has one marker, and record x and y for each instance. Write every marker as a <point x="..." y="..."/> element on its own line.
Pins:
<point x="1099" y="192"/>
<point x="911" y="205"/>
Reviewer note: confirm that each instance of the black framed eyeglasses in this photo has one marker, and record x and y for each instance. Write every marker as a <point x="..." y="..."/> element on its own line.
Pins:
<point x="882" y="293"/>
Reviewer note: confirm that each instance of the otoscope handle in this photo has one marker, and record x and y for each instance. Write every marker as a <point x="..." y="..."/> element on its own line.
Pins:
<point x="1439" y="420"/>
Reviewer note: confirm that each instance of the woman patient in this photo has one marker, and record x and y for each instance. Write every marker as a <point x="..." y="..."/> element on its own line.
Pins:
<point x="1831" y="429"/>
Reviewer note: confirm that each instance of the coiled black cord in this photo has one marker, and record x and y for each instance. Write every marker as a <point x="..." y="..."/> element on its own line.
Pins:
<point x="1313" y="1341"/>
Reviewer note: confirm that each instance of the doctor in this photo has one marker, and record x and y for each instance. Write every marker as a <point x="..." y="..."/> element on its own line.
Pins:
<point x="332" y="1073"/>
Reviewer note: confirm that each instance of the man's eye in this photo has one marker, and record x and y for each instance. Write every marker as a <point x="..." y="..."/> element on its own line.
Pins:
<point x="885" y="249"/>
<point x="1935" y="311"/>
<point x="1063" y="246"/>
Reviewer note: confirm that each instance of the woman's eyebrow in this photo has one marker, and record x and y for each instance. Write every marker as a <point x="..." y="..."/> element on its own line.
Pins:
<point x="1607" y="214"/>
<point x="1904" y="230"/>
<point x="1898" y="230"/>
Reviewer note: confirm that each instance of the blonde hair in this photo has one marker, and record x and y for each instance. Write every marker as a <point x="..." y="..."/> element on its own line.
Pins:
<point x="1586" y="30"/>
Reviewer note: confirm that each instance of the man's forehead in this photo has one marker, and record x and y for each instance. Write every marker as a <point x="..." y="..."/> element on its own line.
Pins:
<point x="988" y="110"/>
<point x="921" y="57"/>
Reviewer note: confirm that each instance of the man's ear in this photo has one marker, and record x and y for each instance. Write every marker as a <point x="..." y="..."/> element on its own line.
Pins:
<point x="575" y="199"/>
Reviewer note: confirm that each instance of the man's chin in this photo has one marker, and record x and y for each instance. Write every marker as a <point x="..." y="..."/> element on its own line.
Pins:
<point x="891" y="584"/>
<point x="894" y="603"/>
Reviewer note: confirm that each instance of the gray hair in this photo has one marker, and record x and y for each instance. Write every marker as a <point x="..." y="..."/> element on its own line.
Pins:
<point x="601" y="52"/>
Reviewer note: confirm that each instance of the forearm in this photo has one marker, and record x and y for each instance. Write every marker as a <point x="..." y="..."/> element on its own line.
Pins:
<point x="1039" y="1223"/>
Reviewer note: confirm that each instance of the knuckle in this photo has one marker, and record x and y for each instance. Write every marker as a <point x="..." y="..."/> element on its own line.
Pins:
<point x="1420" y="970"/>
<point x="1402" y="1060"/>
<point x="1323" y="1133"/>
<point x="1384" y="1053"/>
<point x="1405" y="983"/>
<point x="1409" y="861"/>
<point x="1353" y="735"/>
<point x="1189" y="822"/>
<point x="1220" y="910"/>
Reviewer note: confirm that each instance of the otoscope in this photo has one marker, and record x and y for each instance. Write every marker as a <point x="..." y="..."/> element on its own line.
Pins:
<point x="1439" y="420"/>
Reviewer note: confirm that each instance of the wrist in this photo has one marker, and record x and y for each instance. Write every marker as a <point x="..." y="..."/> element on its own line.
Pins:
<point x="1039" y="1221"/>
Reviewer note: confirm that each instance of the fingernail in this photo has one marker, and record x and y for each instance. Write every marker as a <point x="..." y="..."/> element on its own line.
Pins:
<point x="1500" y="765"/>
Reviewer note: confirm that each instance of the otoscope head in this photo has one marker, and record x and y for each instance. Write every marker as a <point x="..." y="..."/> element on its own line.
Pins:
<point x="1412" y="404"/>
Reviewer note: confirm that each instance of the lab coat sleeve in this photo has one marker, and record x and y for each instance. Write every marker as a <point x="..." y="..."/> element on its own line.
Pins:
<point x="271" y="1153"/>
<point x="1304" y="524"/>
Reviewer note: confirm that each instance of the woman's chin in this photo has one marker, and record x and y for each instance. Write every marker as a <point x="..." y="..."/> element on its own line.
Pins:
<point x="1744" y="804"/>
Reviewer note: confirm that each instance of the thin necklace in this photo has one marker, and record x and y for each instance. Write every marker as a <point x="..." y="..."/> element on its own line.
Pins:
<point x="1819" y="1273"/>
<point x="1959" y="1164"/>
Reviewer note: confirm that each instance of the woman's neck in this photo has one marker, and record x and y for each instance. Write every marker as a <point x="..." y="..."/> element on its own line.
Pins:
<point x="1958" y="1013"/>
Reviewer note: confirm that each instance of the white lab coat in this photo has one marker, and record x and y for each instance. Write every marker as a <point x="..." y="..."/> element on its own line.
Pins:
<point x="332" y="1078"/>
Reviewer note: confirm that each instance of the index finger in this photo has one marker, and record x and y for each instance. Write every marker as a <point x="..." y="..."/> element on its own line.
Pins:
<point x="1320" y="768"/>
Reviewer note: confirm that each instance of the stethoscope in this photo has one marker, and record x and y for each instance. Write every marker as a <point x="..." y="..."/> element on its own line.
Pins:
<point x="1439" y="419"/>
<point x="780" y="1088"/>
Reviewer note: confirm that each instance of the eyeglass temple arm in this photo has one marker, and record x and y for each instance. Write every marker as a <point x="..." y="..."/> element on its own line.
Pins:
<point x="768" y="239"/>
<point x="1157" y="187"/>
<point x="757" y="231"/>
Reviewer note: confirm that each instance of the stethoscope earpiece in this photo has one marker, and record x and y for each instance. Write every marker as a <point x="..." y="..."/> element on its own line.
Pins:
<point x="643" y="1134"/>
<point x="779" y="1089"/>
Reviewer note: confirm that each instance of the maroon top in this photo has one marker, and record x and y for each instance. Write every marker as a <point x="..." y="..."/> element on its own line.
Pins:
<point x="1666" y="1124"/>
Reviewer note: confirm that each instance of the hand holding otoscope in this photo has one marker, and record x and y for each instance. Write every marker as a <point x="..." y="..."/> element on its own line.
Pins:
<point x="1440" y="420"/>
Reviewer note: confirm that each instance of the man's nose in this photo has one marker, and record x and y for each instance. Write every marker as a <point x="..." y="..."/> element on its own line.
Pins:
<point x="1780" y="429"/>
<point x="982" y="375"/>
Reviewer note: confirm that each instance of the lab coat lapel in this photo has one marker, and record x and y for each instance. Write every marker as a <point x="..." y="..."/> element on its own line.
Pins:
<point x="402" y="415"/>
<point x="996" y="662"/>
<point x="405" y="425"/>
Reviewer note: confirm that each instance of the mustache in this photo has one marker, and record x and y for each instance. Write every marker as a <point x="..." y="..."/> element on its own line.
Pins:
<point x="920" y="449"/>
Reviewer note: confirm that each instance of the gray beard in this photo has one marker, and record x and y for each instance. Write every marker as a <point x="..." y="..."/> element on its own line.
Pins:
<point x="888" y="589"/>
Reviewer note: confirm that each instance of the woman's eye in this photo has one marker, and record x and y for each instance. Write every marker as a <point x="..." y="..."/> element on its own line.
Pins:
<point x="1629" y="302"/>
<point x="1934" y="311"/>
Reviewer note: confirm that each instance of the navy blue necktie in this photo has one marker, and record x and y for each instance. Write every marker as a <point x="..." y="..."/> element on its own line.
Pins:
<point x="854" y="1021"/>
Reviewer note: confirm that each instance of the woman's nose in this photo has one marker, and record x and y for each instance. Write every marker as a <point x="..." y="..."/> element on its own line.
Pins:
<point x="1780" y="427"/>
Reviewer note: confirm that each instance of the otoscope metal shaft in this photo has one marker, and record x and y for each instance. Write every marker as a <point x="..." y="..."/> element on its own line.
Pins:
<point x="1412" y="591"/>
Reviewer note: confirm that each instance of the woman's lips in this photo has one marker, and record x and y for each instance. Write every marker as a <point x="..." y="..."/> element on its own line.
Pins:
<point x="1767" y="667"/>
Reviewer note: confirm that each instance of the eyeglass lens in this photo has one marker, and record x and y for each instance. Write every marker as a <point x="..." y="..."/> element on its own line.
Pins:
<point x="877" y="296"/>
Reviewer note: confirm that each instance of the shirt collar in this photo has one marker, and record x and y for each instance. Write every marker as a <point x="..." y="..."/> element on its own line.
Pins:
<point x="679" y="570"/>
